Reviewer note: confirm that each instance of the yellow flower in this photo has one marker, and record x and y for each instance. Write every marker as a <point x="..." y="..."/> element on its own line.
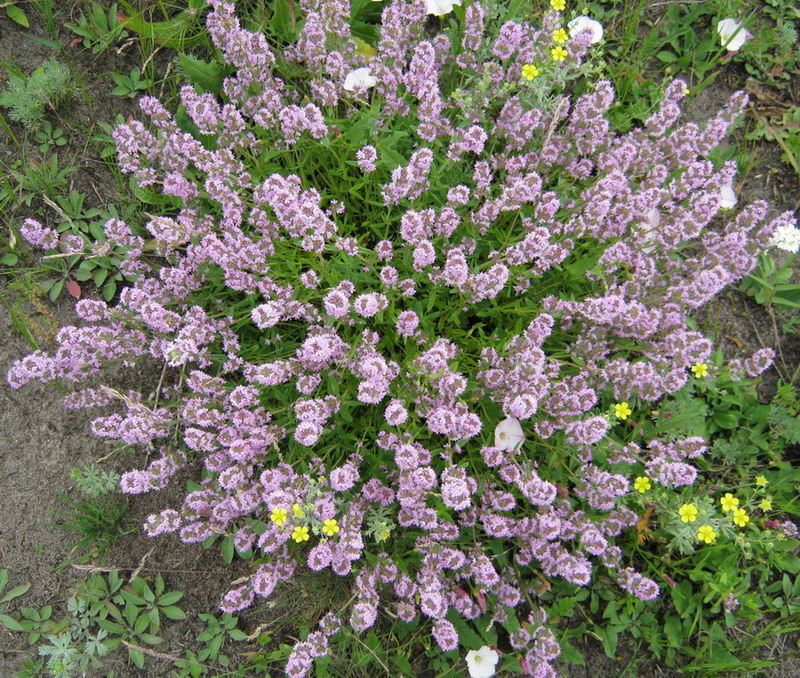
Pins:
<point x="707" y="534"/>
<point x="558" y="53"/>
<point x="529" y="71"/>
<point x="558" y="5"/>
<point x="761" y="481"/>
<point x="622" y="411"/>
<point x="700" y="370"/>
<point x="686" y="91"/>
<point x="688" y="513"/>
<point x="300" y="534"/>
<point x="278" y="516"/>
<point x="330" y="527"/>
<point x="560" y="35"/>
<point x="740" y="517"/>
<point x="642" y="484"/>
<point x="765" y="505"/>
<point x="729" y="502"/>
<point x="298" y="512"/>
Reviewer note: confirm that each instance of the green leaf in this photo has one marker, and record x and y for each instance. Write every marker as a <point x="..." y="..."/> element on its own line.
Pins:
<point x="237" y="634"/>
<point x="609" y="637"/>
<point x="142" y="622"/>
<point x="207" y="76"/>
<point x="16" y="592"/>
<point x="726" y="419"/>
<point x="666" y="57"/>
<point x="171" y="33"/>
<point x="55" y="290"/>
<point x="150" y="639"/>
<point x="137" y="657"/>
<point x="682" y="596"/>
<point x="569" y="654"/>
<point x="206" y="635"/>
<point x="131" y="597"/>
<point x="466" y="635"/>
<point x="173" y="612"/>
<point x="404" y="665"/>
<point x="391" y="158"/>
<point x="9" y="259"/>
<point x="10" y="623"/>
<point x="16" y="14"/>
<point x="227" y="549"/>
<point x="673" y="630"/>
<point x="109" y="290"/>
<point x="111" y="627"/>
<point x="170" y="598"/>
<point x="155" y="620"/>
<point x="283" y="23"/>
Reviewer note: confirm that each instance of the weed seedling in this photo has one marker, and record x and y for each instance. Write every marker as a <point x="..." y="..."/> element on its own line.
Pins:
<point x="29" y="98"/>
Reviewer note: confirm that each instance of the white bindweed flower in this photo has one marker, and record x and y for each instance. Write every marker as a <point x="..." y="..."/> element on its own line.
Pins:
<point x="732" y="34"/>
<point x="441" y="7"/>
<point x="585" y="23"/>
<point x="786" y="238"/>
<point x="361" y="78"/>
<point x="727" y="196"/>
<point x="508" y="435"/>
<point x="649" y="225"/>
<point x="481" y="663"/>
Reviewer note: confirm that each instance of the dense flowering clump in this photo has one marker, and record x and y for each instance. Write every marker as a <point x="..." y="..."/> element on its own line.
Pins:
<point x="410" y="305"/>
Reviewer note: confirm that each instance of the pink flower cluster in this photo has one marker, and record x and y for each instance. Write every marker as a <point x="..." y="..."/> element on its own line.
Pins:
<point x="389" y="316"/>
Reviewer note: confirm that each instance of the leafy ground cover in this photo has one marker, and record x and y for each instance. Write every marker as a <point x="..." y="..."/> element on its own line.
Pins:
<point x="721" y="550"/>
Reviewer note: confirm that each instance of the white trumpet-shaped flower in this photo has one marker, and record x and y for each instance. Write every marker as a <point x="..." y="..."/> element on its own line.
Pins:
<point x="585" y="23"/>
<point x="361" y="78"/>
<point x="481" y="663"/>
<point x="441" y="7"/>
<point x="509" y="435"/>
<point x="727" y="196"/>
<point x="732" y="34"/>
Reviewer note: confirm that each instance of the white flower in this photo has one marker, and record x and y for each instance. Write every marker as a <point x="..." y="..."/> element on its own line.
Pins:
<point x="732" y="34"/>
<point x="481" y="662"/>
<point x="584" y="23"/>
<point x="508" y="435"/>
<point x="651" y="221"/>
<point x="361" y="78"/>
<point x="786" y="238"/>
<point x="727" y="196"/>
<point x="441" y="7"/>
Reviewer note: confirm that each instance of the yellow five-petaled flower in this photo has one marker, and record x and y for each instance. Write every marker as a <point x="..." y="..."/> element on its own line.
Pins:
<point x="529" y="71"/>
<point x="688" y="513"/>
<point x="278" y="516"/>
<point x="622" y="411"/>
<point x="558" y="5"/>
<point x="330" y="527"/>
<point x="765" y="505"/>
<point x="761" y="481"/>
<point x="298" y="511"/>
<point x="700" y="370"/>
<point x="740" y="517"/>
<point x="707" y="534"/>
<point x="729" y="502"/>
<point x="560" y="36"/>
<point x="642" y="484"/>
<point x="300" y="534"/>
<point x="558" y="53"/>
